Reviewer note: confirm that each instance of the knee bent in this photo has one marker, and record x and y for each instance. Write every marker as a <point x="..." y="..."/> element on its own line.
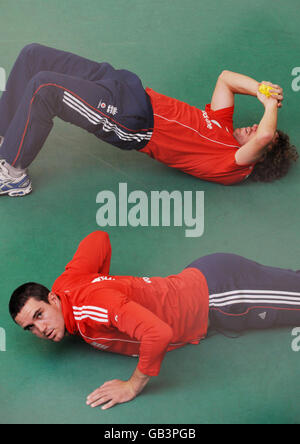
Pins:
<point x="43" y="77"/>
<point x="30" y="50"/>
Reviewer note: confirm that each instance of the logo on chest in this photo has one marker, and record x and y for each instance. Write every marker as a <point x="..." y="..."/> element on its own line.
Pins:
<point x="209" y="123"/>
<point x="103" y="278"/>
<point x="206" y="118"/>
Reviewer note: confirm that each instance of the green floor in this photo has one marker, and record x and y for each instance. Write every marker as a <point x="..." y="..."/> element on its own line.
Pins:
<point x="177" y="48"/>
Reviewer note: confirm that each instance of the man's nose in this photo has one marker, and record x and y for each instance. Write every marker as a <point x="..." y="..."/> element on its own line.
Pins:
<point x="42" y="327"/>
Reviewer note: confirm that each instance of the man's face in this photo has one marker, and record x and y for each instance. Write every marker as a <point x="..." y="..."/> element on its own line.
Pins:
<point x="46" y="321"/>
<point x="244" y="135"/>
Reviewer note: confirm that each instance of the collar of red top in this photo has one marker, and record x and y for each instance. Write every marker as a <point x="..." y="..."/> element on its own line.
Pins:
<point x="68" y="315"/>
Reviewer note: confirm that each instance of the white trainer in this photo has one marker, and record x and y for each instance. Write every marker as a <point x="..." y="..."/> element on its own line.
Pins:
<point x="13" y="186"/>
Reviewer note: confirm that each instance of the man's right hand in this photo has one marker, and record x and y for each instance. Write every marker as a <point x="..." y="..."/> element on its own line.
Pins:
<point x="278" y="94"/>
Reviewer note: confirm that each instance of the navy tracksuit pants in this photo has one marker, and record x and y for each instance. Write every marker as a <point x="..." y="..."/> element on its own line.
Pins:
<point x="246" y="295"/>
<point x="45" y="83"/>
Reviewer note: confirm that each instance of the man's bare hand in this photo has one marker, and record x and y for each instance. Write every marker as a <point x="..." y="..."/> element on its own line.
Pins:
<point x="277" y="94"/>
<point x="111" y="393"/>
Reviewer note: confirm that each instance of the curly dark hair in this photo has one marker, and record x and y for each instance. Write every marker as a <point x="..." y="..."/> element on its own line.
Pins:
<point x="277" y="161"/>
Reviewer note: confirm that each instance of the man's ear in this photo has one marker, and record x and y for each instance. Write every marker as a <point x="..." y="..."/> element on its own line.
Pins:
<point x="53" y="298"/>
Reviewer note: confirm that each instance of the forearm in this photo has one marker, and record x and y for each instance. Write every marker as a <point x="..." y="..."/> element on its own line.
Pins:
<point x="239" y="83"/>
<point x="268" y="124"/>
<point x="255" y="148"/>
<point x="138" y="381"/>
<point x="154" y="335"/>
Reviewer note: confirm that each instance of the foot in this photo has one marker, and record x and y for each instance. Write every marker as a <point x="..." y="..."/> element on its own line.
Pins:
<point x="13" y="186"/>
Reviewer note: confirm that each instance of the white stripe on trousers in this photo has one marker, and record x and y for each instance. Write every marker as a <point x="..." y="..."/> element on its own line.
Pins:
<point x="97" y="119"/>
<point x="254" y="297"/>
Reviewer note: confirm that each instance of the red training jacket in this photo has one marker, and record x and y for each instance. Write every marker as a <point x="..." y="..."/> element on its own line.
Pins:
<point x="143" y="317"/>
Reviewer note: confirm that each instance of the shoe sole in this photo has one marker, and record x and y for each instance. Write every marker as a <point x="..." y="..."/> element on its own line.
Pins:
<point x="17" y="192"/>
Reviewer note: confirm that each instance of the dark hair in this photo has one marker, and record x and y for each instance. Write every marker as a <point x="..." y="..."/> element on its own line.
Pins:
<point x="25" y="292"/>
<point x="277" y="161"/>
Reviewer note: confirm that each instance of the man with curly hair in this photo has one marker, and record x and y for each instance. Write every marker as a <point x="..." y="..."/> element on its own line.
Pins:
<point x="114" y="106"/>
<point x="263" y="146"/>
<point x="276" y="161"/>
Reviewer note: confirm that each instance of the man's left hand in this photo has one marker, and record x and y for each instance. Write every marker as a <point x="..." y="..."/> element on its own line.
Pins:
<point x="111" y="393"/>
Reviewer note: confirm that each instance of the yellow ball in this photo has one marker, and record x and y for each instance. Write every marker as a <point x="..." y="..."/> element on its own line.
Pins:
<point x="265" y="89"/>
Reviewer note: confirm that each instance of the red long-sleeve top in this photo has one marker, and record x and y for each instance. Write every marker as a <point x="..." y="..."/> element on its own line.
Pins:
<point x="143" y="317"/>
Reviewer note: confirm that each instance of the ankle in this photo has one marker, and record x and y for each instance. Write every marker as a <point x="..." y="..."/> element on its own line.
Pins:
<point x="14" y="172"/>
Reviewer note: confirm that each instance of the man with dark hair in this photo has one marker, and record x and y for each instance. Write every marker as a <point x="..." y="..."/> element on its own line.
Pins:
<point x="113" y="105"/>
<point x="32" y="295"/>
<point x="149" y="316"/>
